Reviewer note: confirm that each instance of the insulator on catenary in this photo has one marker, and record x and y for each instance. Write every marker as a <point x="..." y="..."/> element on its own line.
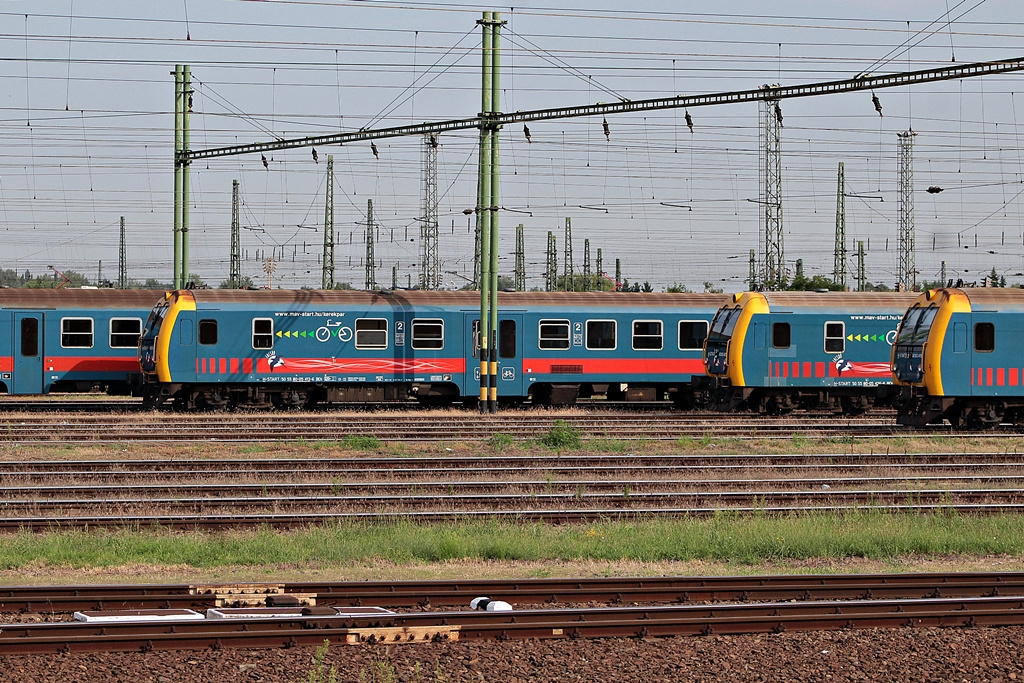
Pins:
<point x="315" y="157"/>
<point x="607" y="133"/>
<point x="526" y="132"/>
<point x="266" y="164"/>
<point x="373" y="148"/>
<point x="689" y="121"/>
<point x="878" y="105"/>
<point x="778" y="113"/>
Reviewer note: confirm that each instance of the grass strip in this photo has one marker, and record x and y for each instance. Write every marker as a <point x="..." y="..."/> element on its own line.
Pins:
<point x="726" y="537"/>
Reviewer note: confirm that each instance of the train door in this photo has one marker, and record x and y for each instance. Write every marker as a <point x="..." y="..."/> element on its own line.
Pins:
<point x="28" y="353"/>
<point x="510" y="356"/>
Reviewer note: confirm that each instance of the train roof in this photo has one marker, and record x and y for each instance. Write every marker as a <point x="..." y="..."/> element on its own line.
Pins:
<point x="318" y="297"/>
<point x="78" y="298"/>
<point x="781" y="301"/>
<point x="980" y="298"/>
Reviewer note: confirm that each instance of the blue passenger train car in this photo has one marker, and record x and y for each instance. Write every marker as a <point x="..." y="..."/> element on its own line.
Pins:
<point x="956" y="358"/>
<point x="68" y="340"/>
<point x="209" y="348"/>
<point x="772" y="352"/>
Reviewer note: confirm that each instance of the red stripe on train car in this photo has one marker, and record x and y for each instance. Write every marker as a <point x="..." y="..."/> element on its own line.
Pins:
<point x="785" y="369"/>
<point x="204" y="366"/>
<point x="988" y="376"/>
<point x="833" y="371"/>
<point x="6" y="363"/>
<point x="796" y="369"/>
<point x="1014" y="375"/>
<point x="234" y="366"/>
<point x="247" y="365"/>
<point x="223" y="366"/>
<point x="92" y="364"/>
<point x="819" y="369"/>
<point x="1000" y="377"/>
<point x="651" y="366"/>
<point x="807" y="369"/>
<point x="197" y="366"/>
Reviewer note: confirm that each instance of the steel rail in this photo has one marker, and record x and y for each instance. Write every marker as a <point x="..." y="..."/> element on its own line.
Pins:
<point x="57" y="600"/>
<point x="565" y="623"/>
<point x="501" y="463"/>
<point x="296" y="520"/>
<point x="182" y="491"/>
<point x="504" y="501"/>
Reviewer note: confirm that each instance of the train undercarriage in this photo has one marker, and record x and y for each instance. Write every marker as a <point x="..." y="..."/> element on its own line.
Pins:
<point x="430" y="395"/>
<point x="917" y="409"/>
<point x="713" y="394"/>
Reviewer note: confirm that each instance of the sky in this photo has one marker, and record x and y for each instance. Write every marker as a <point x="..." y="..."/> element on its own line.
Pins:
<point x="86" y="123"/>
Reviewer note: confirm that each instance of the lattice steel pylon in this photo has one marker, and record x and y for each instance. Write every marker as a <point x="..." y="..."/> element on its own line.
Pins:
<point x="520" y="259"/>
<point x="327" y="281"/>
<point x="430" y="270"/>
<point x="551" y="273"/>
<point x="586" y="266"/>
<point x="371" y="260"/>
<point x="906" y="272"/>
<point x="839" y="263"/>
<point x="774" y="257"/>
<point x="569" y="276"/>
<point x="122" y="264"/>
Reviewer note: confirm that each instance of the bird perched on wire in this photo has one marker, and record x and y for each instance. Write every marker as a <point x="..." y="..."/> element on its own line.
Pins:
<point x="689" y="121"/>
<point x="778" y="113"/>
<point x="373" y="148"/>
<point x="266" y="164"/>
<point x="315" y="157"/>
<point x="526" y="132"/>
<point x="607" y="133"/>
<point x="878" y="105"/>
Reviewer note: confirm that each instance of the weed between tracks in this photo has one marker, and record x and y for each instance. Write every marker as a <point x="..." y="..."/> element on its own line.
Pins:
<point x="743" y="540"/>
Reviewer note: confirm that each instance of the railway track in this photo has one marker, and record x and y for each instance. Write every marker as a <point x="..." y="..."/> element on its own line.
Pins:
<point x="291" y="492"/>
<point x="42" y="428"/>
<point x="702" y="606"/>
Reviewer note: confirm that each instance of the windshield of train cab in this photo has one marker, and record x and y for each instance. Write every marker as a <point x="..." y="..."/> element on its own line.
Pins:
<point x="156" y="317"/>
<point x="724" y="323"/>
<point x="916" y="324"/>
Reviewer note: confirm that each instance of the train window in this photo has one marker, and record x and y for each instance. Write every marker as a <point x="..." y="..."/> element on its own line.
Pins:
<point x="835" y="337"/>
<point x="553" y="334"/>
<point x="647" y="335"/>
<point x="76" y="333"/>
<point x="476" y="338"/>
<point x="507" y="338"/>
<point x="985" y="337"/>
<point x="916" y="324"/>
<point x="207" y="332"/>
<point x="125" y="333"/>
<point x="428" y="334"/>
<point x="600" y="334"/>
<point x="692" y="334"/>
<point x="29" y="337"/>
<point x="371" y="333"/>
<point x="262" y="333"/>
<point x="780" y="335"/>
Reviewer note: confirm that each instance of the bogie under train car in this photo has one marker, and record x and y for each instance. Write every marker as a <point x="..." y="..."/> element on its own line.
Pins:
<point x="70" y="340"/>
<point x="773" y="352"/>
<point x="957" y="358"/>
<point x="218" y="348"/>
